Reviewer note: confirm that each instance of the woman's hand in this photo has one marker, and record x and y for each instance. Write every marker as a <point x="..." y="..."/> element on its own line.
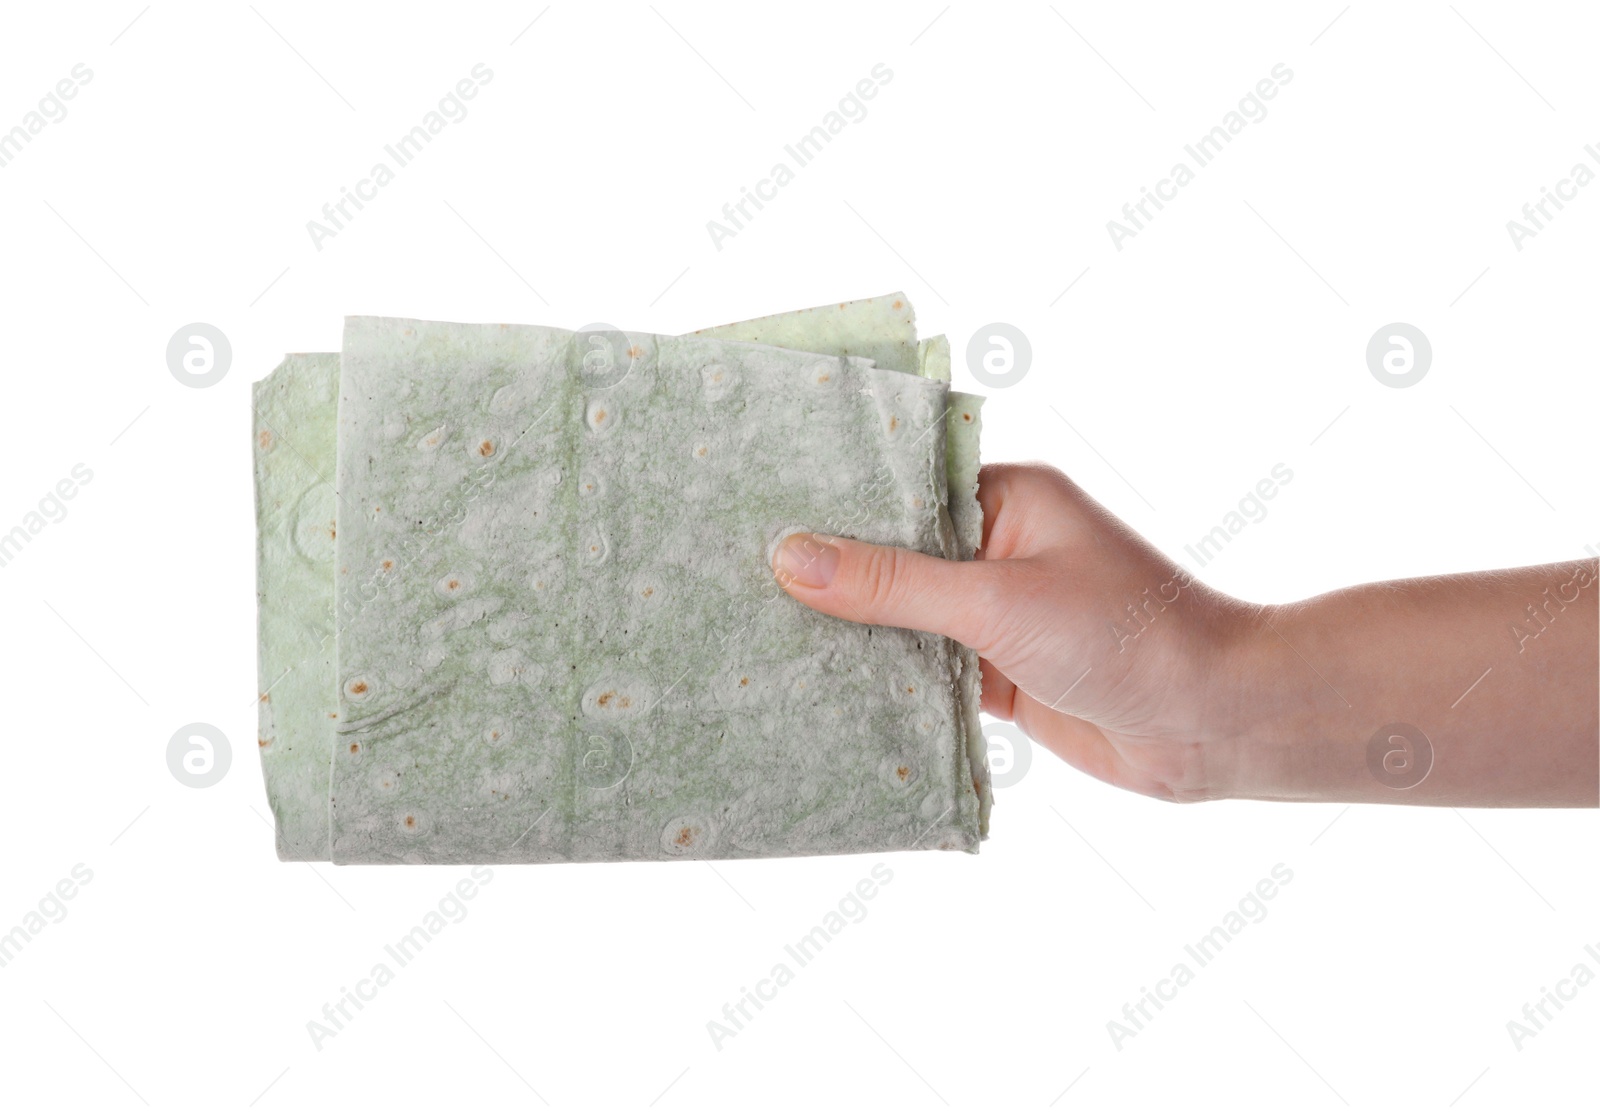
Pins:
<point x="1113" y="657"/>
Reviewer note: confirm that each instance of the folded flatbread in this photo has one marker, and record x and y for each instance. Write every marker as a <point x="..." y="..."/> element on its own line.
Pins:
<point x="537" y="621"/>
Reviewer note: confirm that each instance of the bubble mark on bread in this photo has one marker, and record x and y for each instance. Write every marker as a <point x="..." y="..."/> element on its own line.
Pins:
<point x="685" y="836"/>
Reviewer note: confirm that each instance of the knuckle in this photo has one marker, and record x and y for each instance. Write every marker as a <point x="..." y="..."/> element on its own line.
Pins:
<point x="987" y="594"/>
<point x="985" y="601"/>
<point x="879" y="579"/>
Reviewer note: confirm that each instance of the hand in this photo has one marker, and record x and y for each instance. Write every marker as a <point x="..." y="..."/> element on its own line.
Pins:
<point x="1095" y="644"/>
<point x="1110" y="655"/>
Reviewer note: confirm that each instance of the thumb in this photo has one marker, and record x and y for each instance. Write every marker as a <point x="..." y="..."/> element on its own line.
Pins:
<point x="885" y="586"/>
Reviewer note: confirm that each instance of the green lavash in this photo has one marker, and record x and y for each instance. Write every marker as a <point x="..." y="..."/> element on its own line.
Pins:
<point x="412" y="782"/>
<point x="295" y="418"/>
<point x="882" y="329"/>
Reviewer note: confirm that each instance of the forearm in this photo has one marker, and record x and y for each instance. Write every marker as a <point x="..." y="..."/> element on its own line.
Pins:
<point x="1469" y="668"/>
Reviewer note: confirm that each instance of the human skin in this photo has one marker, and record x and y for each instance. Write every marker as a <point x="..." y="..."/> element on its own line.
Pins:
<point x="1103" y="650"/>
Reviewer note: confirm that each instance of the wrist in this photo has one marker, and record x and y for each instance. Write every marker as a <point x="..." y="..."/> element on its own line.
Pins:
<point x="1291" y="733"/>
<point x="1261" y="709"/>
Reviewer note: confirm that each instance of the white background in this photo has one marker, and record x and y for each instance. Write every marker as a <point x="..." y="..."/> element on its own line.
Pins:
<point x="1223" y="339"/>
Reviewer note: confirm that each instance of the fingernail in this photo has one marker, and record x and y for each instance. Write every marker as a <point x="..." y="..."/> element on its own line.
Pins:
<point x="807" y="560"/>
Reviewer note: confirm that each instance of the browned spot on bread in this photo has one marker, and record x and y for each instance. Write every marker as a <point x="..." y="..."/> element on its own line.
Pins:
<point x="966" y="417"/>
<point x="902" y="772"/>
<point x="744" y="682"/>
<point x="685" y="836"/>
<point x="358" y="687"/>
<point x="411" y="821"/>
<point x="635" y="352"/>
<point x="625" y="701"/>
<point x="388" y="565"/>
<point x="266" y="438"/>
<point x="899" y="304"/>
<point x="355" y="747"/>
<point x="647" y="592"/>
<point x="894" y="422"/>
<point x="486" y="448"/>
<point x="263" y="741"/>
<point x="605" y="698"/>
